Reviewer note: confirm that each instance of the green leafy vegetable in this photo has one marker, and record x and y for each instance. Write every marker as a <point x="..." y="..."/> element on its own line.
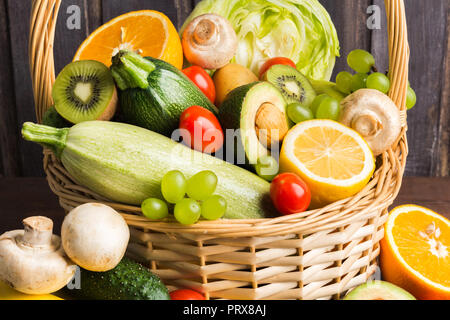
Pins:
<point x="301" y="30"/>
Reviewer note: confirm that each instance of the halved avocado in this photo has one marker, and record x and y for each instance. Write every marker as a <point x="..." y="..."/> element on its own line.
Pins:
<point x="378" y="290"/>
<point x="255" y="109"/>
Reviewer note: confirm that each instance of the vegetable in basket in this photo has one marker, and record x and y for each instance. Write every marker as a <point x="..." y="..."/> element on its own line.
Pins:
<point x="129" y="167"/>
<point x="153" y="94"/>
<point x="301" y="30"/>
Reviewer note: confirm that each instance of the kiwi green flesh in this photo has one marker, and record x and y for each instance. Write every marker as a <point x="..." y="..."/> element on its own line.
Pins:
<point x="378" y="290"/>
<point x="259" y="94"/>
<point x="294" y="86"/>
<point x="83" y="91"/>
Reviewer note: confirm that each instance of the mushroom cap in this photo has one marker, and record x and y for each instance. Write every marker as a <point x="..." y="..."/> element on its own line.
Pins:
<point x="95" y="236"/>
<point x="209" y="41"/>
<point x="375" y="116"/>
<point x="34" y="270"/>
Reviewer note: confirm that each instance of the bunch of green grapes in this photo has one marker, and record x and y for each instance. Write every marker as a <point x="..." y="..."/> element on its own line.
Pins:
<point x="200" y="200"/>
<point x="363" y="63"/>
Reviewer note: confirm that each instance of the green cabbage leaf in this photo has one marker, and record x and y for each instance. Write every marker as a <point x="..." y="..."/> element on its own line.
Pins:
<point x="301" y="30"/>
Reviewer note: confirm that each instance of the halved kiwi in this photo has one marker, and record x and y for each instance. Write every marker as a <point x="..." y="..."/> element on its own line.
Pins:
<point x="294" y="86"/>
<point x="85" y="91"/>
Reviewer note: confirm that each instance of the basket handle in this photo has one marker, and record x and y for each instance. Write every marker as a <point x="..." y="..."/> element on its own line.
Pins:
<point x="42" y="33"/>
<point x="398" y="53"/>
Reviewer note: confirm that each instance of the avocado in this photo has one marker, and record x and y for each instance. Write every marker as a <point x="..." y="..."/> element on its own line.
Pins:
<point x="255" y="109"/>
<point x="53" y="119"/>
<point x="129" y="280"/>
<point x="378" y="290"/>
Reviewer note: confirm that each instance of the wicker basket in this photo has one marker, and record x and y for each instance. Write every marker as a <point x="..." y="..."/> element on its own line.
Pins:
<point x="318" y="254"/>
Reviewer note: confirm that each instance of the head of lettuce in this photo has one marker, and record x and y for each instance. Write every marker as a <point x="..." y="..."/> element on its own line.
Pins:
<point x="301" y="30"/>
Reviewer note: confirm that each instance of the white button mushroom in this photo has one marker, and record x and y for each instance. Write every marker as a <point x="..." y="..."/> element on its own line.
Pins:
<point x="209" y="41"/>
<point x="374" y="116"/>
<point x="32" y="260"/>
<point x="95" y="236"/>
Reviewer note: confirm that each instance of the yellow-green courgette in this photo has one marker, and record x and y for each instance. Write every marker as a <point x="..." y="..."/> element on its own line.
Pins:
<point x="126" y="164"/>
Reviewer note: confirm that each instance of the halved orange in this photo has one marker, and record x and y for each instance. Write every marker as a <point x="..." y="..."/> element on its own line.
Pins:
<point x="415" y="252"/>
<point x="148" y="32"/>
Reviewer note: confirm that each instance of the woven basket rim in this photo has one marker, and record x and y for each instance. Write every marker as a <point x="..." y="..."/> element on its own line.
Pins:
<point x="378" y="194"/>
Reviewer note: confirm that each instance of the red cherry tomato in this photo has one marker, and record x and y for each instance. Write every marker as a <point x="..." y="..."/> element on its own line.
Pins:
<point x="290" y="194"/>
<point x="202" y="80"/>
<point x="186" y="294"/>
<point x="201" y="130"/>
<point x="271" y="62"/>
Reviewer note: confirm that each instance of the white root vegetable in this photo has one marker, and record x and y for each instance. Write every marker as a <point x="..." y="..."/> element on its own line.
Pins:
<point x="32" y="260"/>
<point x="373" y="115"/>
<point x="209" y="41"/>
<point x="95" y="236"/>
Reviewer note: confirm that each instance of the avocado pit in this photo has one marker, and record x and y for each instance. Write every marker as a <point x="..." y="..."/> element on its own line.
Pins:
<point x="270" y="124"/>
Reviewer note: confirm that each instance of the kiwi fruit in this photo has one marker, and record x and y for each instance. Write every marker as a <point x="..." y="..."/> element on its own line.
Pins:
<point x="294" y="86"/>
<point x="53" y="119"/>
<point x="85" y="91"/>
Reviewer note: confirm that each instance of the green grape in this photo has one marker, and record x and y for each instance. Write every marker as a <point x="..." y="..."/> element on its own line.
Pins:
<point x="328" y="109"/>
<point x="202" y="185"/>
<point x="411" y="98"/>
<point x="378" y="81"/>
<point x="359" y="81"/>
<point x="317" y="101"/>
<point x="214" y="207"/>
<point x="299" y="113"/>
<point x="155" y="209"/>
<point x="173" y="186"/>
<point x="267" y="168"/>
<point x="344" y="82"/>
<point x="361" y="61"/>
<point x="187" y="211"/>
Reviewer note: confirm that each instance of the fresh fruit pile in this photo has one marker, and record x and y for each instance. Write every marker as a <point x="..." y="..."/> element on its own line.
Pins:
<point x="239" y="133"/>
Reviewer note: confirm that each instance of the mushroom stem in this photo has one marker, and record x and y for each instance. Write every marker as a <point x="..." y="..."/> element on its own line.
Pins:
<point x="205" y="32"/>
<point x="38" y="232"/>
<point x="270" y="124"/>
<point x="368" y="125"/>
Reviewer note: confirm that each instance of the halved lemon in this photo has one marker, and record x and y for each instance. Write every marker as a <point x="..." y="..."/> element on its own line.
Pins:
<point x="415" y="252"/>
<point x="333" y="159"/>
<point x="148" y="32"/>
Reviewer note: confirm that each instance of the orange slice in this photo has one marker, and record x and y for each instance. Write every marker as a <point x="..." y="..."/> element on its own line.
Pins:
<point x="415" y="252"/>
<point x="148" y="32"/>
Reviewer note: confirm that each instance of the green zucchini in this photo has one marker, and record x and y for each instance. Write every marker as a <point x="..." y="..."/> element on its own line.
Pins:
<point x="129" y="280"/>
<point x="126" y="164"/>
<point x="153" y="94"/>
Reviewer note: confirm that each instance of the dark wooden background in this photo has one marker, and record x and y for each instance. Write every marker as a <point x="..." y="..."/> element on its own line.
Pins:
<point x="428" y="21"/>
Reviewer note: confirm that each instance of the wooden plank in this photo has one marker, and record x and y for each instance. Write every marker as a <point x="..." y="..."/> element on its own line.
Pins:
<point x="67" y="39"/>
<point x="350" y="19"/>
<point x="30" y="154"/>
<point x="441" y="167"/>
<point x="113" y="8"/>
<point x="428" y="43"/>
<point x="9" y="160"/>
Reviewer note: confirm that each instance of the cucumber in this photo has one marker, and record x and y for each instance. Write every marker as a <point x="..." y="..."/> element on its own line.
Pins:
<point x="126" y="164"/>
<point x="127" y="281"/>
<point x="153" y="94"/>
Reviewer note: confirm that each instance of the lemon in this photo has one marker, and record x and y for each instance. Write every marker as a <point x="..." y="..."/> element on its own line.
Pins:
<point x="331" y="158"/>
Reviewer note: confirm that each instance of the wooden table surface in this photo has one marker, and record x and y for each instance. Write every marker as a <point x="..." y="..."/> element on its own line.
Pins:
<point x="24" y="197"/>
